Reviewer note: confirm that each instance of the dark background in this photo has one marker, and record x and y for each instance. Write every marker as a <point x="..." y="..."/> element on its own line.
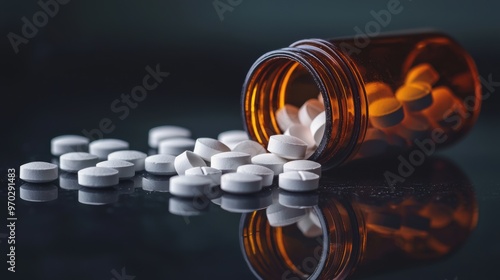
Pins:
<point x="66" y="77"/>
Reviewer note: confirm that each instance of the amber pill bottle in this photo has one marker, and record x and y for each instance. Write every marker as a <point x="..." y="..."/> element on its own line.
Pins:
<point x="438" y="78"/>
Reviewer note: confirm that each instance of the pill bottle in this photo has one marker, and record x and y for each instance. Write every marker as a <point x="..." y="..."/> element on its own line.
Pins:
<point x="391" y="93"/>
<point x="364" y="233"/>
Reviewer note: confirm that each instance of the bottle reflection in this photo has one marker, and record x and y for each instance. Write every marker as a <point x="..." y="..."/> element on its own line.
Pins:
<point x="361" y="226"/>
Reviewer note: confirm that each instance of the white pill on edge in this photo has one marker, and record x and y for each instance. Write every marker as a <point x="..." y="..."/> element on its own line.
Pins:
<point x="157" y="134"/>
<point x="103" y="147"/>
<point x="175" y="146"/>
<point x="232" y="137"/>
<point x="229" y="161"/>
<point x="209" y="172"/>
<point x="280" y="216"/>
<point x="135" y="157"/>
<point x="98" y="177"/>
<point x="287" y="116"/>
<point x="298" y="181"/>
<point x="189" y="186"/>
<point x="161" y="164"/>
<point x="187" y="160"/>
<point x="38" y="172"/>
<point x="303" y="165"/>
<point x="207" y="147"/>
<point x="125" y="169"/>
<point x="317" y="127"/>
<point x="250" y="147"/>
<point x="72" y="162"/>
<point x="271" y="161"/>
<point x="309" y="110"/>
<point x="287" y="146"/>
<point x="68" y="143"/>
<point x="303" y="133"/>
<point x="265" y="173"/>
<point x="240" y="183"/>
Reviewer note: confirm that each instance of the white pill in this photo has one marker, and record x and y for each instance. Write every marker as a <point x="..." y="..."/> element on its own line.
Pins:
<point x="320" y="98"/>
<point x="74" y="161"/>
<point x="265" y="173"/>
<point x="240" y="183"/>
<point x="98" y="177"/>
<point x="69" y="181"/>
<point x="207" y="147"/>
<point x="125" y="169"/>
<point x="309" y="110"/>
<point x="422" y="73"/>
<point x="187" y="160"/>
<point x="157" y="134"/>
<point x="103" y="147"/>
<point x="68" y="143"/>
<point x="271" y="161"/>
<point x="287" y="146"/>
<point x="308" y="227"/>
<point x="229" y="161"/>
<point x="238" y="203"/>
<point x="298" y="181"/>
<point x="162" y="164"/>
<point x="313" y="215"/>
<point x="209" y="172"/>
<point x="152" y="183"/>
<point x="317" y="127"/>
<point x="286" y="116"/>
<point x="38" y="192"/>
<point x="303" y="165"/>
<point x="302" y="132"/>
<point x="38" y="172"/>
<point x="189" y="186"/>
<point x="135" y="157"/>
<point x="97" y="196"/>
<point x="250" y="147"/>
<point x="280" y="216"/>
<point x="232" y="137"/>
<point x="175" y="146"/>
<point x="185" y="207"/>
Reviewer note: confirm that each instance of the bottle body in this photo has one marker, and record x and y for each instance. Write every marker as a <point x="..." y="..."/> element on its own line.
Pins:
<point x="388" y="95"/>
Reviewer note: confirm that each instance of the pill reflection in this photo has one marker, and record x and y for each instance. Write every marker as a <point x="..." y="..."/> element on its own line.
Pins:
<point x="38" y="192"/>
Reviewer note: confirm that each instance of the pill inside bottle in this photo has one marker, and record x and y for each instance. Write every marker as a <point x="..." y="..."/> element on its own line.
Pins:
<point x="407" y="86"/>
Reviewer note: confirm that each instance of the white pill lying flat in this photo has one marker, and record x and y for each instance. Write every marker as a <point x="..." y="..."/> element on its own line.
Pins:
<point x="240" y="183"/>
<point x="187" y="160"/>
<point x="175" y="146"/>
<point x="91" y="196"/>
<point x="98" y="177"/>
<point x="287" y="146"/>
<point x="189" y="186"/>
<point x="229" y="161"/>
<point x="209" y="172"/>
<point x="103" y="147"/>
<point x="317" y="127"/>
<point x="287" y="116"/>
<point x="308" y="227"/>
<point x="161" y="164"/>
<point x="298" y="181"/>
<point x="68" y="143"/>
<point x="72" y="162"/>
<point x="309" y="110"/>
<point x="125" y="169"/>
<point x="303" y="133"/>
<point x="265" y="173"/>
<point x="38" y="192"/>
<point x="250" y="147"/>
<point x="207" y="147"/>
<point x="232" y="137"/>
<point x="157" y="134"/>
<point x="135" y="157"/>
<point x="38" y="172"/>
<point x="303" y="165"/>
<point x="280" y="216"/>
<point x="271" y="161"/>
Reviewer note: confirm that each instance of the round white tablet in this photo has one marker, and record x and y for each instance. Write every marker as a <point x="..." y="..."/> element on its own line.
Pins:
<point x="209" y="172"/>
<point x="303" y="133"/>
<point x="287" y="116"/>
<point x="38" y="192"/>
<point x="175" y="146"/>
<point x="38" y="172"/>
<point x="240" y="183"/>
<point x="68" y="143"/>
<point x="103" y="147"/>
<point x="265" y="173"/>
<point x="135" y="157"/>
<point x="250" y="147"/>
<point x="280" y="216"/>
<point x="232" y="137"/>
<point x="125" y="169"/>
<point x="298" y="181"/>
<point x="187" y="160"/>
<point x="189" y="186"/>
<point x="271" y="161"/>
<point x="161" y="164"/>
<point x="72" y="162"/>
<point x="310" y="110"/>
<point x="287" y="146"/>
<point x="97" y="197"/>
<point x="303" y="165"/>
<point x="317" y="127"/>
<point x="207" y="147"/>
<point x="229" y="161"/>
<point x="157" y="134"/>
<point x="98" y="177"/>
